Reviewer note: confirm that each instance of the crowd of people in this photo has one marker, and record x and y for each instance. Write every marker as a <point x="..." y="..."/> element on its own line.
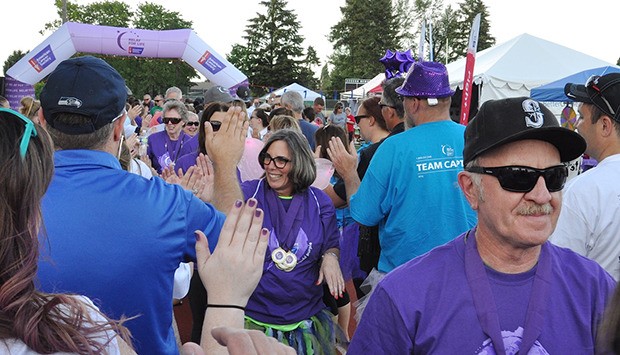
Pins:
<point x="458" y="239"/>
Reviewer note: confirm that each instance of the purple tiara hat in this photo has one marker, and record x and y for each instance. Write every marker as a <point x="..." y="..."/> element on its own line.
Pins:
<point x="396" y="63"/>
<point x="427" y="80"/>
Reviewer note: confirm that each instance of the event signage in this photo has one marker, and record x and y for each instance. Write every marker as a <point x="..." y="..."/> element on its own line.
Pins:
<point x="469" y="70"/>
<point x="74" y="37"/>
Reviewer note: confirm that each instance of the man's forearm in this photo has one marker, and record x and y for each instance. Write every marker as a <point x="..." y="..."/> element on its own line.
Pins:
<point x="226" y="187"/>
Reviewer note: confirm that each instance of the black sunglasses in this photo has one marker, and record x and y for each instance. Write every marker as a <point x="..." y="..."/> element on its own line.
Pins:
<point x="216" y="125"/>
<point x="174" y="120"/>
<point x="279" y="162"/>
<point x="524" y="178"/>
<point x="385" y="105"/>
<point x="193" y="123"/>
<point x="359" y="118"/>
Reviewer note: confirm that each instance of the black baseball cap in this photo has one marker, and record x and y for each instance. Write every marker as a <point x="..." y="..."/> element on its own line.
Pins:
<point x="600" y="91"/>
<point x="503" y="121"/>
<point x="87" y="86"/>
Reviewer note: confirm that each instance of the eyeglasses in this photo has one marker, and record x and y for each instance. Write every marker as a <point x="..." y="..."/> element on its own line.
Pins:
<point x="524" y="178"/>
<point x="173" y="120"/>
<point x="385" y="105"/>
<point x="29" y="132"/>
<point x="216" y="125"/>
<point x="359" y="118"/>
<point x="193" y="123"/>
<point x="158" y="100"/>
<point x="592" y="83"/>
<point x="279" y="162"/>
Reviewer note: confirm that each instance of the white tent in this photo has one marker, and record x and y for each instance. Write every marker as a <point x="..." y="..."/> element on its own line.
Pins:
<point x="513" y="68"/>
<point x="307" y="94"/>
<point x="362" y="91"/>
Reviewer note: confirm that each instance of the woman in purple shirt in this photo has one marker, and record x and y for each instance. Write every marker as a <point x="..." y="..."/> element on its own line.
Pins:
<point x="166" y="147"/>
<point x="302" y="252"/>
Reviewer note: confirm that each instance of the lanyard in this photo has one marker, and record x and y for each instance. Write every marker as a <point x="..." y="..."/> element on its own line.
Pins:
<point x="178" y="148"/>
<point x="486" y="308"/>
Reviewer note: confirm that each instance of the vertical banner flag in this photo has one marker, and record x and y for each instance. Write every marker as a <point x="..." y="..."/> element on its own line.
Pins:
<point x="422" y="40"/>
<point x="430" y="41"/>
<point x="469" y="70"/>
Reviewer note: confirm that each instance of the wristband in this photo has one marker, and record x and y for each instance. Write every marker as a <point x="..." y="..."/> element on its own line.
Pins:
<point x="226" y="306"/>
<point x="331" y="253"/>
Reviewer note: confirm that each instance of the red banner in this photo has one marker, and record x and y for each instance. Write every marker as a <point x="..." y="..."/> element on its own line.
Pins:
<point x="467" y="85"/>
<point x="468" y="80"/>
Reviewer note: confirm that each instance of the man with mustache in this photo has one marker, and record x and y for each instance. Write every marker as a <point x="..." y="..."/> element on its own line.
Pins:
<point x="499" y="288"/>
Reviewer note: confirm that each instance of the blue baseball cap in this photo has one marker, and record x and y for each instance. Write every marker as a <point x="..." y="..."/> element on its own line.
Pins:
<point x="87" y="86"/>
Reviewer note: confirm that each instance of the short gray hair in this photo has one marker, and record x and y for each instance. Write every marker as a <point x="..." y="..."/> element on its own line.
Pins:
<point x="90" y="141"/>
<point x="476" y="178"/>
<point x="391" y="98"/>
<point x="174" y="90"/>
<point x="293" y="100"/>
<point x="176" y="105"/>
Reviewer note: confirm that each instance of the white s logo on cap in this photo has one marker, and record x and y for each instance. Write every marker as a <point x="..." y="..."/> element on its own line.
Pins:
<point x="533" y="115"/>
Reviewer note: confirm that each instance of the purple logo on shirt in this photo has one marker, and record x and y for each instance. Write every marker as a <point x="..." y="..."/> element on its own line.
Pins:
<point x="512" y="342"/>
<point x="211" y="63"/>
<point x="42" y="59"/>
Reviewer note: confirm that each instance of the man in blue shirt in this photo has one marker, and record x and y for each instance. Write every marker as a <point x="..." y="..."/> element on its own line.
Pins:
<point x="410" y="188"/>
<point x="111" y="235"/>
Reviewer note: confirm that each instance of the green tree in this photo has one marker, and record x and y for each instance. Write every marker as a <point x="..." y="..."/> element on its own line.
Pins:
<point x="272" y="55"/>
<point x="325" y="82"/>
<point x="142" y="75"/>
<point x="618" y="62"/>
<point x="12" y="59"/>
<point x="466" y="13"/>
<point x="366" y="30"/>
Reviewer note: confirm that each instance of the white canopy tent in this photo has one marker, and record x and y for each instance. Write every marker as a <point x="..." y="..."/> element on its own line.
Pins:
<point x="513" y="68"/>
<point x="364" y="90"/>
<point x="307" y="94"/>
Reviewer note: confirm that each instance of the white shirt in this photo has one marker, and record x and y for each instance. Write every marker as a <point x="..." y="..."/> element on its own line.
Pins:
<point x="17" y="347"/>
<point x="589" y="222"/>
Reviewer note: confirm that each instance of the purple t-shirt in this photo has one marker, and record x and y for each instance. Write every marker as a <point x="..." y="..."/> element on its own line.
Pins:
<point x="426" y="306"/>
<point x="163" y="151"/>
<point x="288" y="297"/>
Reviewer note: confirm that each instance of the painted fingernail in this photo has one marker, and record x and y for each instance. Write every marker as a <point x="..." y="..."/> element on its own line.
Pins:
<point x="257" y="213"/>
<point x="238" y="203"/>
<point x="251" y="202"/>
<point x="197" y="235"/>
<point x="264" y="231"/>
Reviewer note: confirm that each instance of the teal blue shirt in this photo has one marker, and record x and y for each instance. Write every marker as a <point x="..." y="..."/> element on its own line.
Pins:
<point x="410" y="190"/>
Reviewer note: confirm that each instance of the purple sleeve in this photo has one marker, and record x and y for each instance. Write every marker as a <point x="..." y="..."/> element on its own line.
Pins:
<point x="382" y="329"/>
<point x="328" y="221"/>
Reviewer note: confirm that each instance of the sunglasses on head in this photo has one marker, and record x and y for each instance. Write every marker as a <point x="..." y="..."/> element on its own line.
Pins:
<point x="29" y="132"/>
<point x="173" y="120"/>
<point x="216" y="125"/>
<point x="524" y="178"/>
<point x="193" y="123"/>
<point x="359" y="118"/>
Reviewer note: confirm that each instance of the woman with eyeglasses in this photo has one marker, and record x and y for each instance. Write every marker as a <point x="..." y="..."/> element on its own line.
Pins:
<point x="166" y="147"/>
<point x="32" y="321"/>
<point x="302" y="251"/>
